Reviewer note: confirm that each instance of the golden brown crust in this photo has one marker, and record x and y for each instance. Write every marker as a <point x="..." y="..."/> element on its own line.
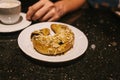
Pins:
<point x="59" y="43"/>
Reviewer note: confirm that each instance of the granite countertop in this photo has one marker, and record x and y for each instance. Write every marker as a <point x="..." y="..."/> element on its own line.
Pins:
<point x="101" y="61"/>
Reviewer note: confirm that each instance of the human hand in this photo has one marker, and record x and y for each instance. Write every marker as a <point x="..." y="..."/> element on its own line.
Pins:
<point x="43" y="10"/>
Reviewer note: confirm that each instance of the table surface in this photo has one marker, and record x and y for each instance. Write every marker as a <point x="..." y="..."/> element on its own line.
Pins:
<point x="101" y="60"/>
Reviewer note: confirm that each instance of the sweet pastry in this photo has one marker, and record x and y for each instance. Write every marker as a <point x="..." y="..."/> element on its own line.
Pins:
<point x="56" y="44"/>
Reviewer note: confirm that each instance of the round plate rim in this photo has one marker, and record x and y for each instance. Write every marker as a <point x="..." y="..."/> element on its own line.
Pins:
<point x="51" y="58"/>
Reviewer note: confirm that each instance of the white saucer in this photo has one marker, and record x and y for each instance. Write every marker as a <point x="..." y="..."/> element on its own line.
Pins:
<point x="21" y="24"/>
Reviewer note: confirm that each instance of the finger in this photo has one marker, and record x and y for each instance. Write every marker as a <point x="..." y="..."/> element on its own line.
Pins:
<point x="48" y="15"/>
<point x="43" y="11"/>
<point x="32" y="9"/>
<point x="54" y="18"/>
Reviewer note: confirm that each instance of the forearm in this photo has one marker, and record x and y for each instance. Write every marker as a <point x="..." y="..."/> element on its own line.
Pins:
<point x="73" y="4"/>
<point x="69" y="5"/>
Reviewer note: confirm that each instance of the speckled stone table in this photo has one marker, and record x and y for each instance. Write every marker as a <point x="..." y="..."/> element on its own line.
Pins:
<point x="101" y="61"/>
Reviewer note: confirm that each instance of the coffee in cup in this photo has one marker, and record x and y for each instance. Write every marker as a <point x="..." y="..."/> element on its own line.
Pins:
<point x="10" y="11"/>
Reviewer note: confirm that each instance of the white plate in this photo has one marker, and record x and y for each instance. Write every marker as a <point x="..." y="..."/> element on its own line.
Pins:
<point x="22" y="23"/>
<point x="80" y="45"/>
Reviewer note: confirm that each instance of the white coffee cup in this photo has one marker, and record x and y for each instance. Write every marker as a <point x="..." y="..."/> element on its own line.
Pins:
<point x="10" y="11"/>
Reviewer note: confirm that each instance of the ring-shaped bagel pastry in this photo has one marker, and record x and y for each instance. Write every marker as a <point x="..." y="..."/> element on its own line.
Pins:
<point x="56" y="44"/>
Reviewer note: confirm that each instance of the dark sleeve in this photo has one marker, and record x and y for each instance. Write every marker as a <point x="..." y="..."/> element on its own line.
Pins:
<point x="104" y="3"/>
